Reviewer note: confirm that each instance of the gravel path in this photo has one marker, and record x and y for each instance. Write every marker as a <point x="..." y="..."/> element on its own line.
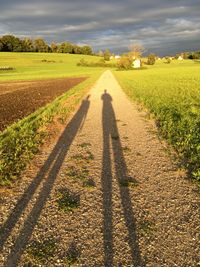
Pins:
<point x="106" y="192"/>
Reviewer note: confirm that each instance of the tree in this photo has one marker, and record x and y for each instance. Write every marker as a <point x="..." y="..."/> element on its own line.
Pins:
<point x="1" y="45"/>
<point x="66" y="47"/>
<point x="125" y="62"/>
<point x="168" y="60"/>
<point x="27" y="45"/>
<point x="77" y="49"/>
<point x="40" y="45"/>
<point x="106" y="54"/>
<point x="11" y="43"/>
<point x="60" y="48"/>
<point x="54" y="47"/>
<point x="136" y="50"/>
<point x="86" y="50"/>
<point x="151" y="59"/>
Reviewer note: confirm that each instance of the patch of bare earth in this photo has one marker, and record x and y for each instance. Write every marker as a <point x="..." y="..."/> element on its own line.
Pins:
<point x="105" y="193"/>
<point x="19" y="99"/>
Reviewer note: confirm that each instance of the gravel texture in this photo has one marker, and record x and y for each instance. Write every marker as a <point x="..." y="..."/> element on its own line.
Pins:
<point x="106" y="192"/>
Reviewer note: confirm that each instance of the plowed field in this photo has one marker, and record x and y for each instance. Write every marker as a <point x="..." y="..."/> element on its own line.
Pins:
<point x="19" y="99"/>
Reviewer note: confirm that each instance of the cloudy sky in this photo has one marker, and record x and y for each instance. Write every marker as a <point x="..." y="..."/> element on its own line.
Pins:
<point x="162" y="26"/>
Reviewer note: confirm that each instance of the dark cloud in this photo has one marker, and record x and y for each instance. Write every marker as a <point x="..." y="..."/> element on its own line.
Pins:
<point x="161" y="26"/>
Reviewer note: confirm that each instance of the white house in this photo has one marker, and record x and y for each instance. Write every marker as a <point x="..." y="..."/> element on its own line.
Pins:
<point x="180" y="58"/>
<point x="137" y="64"/>
<point x="117" y="57"/>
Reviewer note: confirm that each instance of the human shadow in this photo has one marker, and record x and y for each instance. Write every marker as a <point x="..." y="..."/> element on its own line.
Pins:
<point x="106" y="181"/>
<point x="112" y="142"/>
<point x="47" y="175"/>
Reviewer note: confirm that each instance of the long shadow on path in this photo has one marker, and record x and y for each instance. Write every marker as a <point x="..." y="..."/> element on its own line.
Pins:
<point x="111" y="140"/>
<point x="50" y="169"/>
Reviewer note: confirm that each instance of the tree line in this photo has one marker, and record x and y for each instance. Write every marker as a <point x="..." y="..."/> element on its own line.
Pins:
<point x="190" y="55"/>
<point x="11" y="43"/>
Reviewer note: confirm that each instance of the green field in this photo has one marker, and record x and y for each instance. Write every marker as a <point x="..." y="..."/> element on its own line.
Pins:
<point x="172" y="93"/>
<point x="29" y="66"/>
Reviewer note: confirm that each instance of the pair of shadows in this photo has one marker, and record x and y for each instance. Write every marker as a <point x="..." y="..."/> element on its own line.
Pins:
<point x="110" y="130"/>
<point x="52" y="165"/>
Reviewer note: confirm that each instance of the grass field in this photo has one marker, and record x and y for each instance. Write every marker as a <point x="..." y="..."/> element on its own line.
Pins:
<point x="29" y="66"/>
<point x="172" y="93"/>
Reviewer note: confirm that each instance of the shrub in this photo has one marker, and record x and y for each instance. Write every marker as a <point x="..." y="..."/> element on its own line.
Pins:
<point x="67" y="201"/>
<point x="168" y="60"/>
<point x="6" y="68"/>
<point x="151" y="59"/>
<point x="82" y="62"/>
<point x="125" y="63"/>
<point x="100" y="63"/>
<point x="106" y="55"/>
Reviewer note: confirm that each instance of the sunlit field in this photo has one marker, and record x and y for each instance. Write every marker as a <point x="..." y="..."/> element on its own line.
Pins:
<point x="29" y="66"/>
<point x="172" y="93"/>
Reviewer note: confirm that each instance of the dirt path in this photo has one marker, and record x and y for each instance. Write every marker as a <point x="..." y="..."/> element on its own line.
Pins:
<point x="104" y="194"/>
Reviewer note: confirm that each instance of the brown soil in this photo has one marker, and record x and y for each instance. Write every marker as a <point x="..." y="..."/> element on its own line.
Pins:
<point x="134" y="206"/>
<point x="19" y="99"/>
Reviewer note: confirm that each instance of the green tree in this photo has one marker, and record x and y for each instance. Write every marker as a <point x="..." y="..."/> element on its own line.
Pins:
<point x="27" y="45"/>
<point x="151" y="59"/>
<point x="106" y="54"/>
<point x="77" y="49"/>
<point x="168" y="60"/>
<point x="11" y="43"/>
<point x="65" y="47"/>
<point x="40" y="45"/>
<point x="1" y="45"/>
<point x="68" y="47"/>
<point x="54" y="47"/>
<point x="125" y="62"/>
<point x="86" y="50"/>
